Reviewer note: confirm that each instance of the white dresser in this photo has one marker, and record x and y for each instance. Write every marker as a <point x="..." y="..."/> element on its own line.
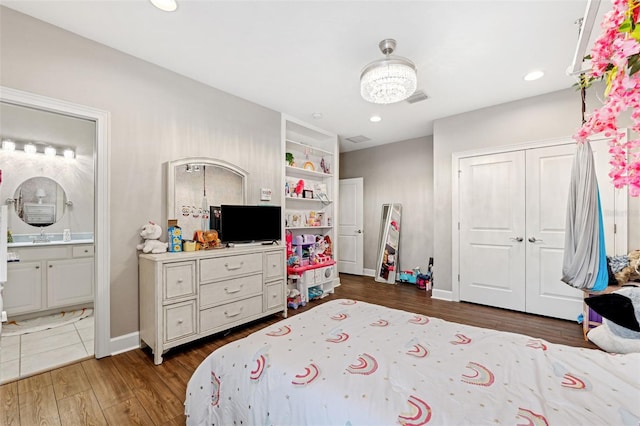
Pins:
<point x="189" y="295"/>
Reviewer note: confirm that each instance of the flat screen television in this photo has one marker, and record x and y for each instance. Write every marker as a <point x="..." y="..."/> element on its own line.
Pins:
<point x="245" y="224"/>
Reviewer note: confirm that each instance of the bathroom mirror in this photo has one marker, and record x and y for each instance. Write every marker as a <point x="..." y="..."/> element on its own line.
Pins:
<point x="40" y="201"/>
<point x="195" y="185"/>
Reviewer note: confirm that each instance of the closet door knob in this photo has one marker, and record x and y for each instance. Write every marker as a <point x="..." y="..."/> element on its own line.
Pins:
<point x="518" y="239"/>
<point x="533" y="239"/>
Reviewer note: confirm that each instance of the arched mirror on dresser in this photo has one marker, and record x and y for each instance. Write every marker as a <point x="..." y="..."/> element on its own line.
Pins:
<point x="196" y="186"/>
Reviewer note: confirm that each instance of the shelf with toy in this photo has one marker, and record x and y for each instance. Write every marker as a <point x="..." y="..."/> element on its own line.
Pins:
<point x="305" y="173"/>
<point x="299" y="146"/>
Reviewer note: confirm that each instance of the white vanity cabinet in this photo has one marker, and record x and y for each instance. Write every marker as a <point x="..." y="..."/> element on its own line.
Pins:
<point x="189" y="295"/>
<point x="23" y="291"/>
<point x="49" y="277"/>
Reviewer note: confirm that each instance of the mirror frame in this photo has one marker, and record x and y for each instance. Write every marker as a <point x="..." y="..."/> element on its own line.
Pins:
<point x="171" y="178"/>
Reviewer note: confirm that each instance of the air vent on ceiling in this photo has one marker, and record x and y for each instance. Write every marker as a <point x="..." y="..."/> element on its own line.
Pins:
<point x="418" y="96"/>
<point x="358" y="139"/>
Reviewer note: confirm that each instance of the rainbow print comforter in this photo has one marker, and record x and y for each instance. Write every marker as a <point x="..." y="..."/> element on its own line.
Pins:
<point x="347" y="362"/>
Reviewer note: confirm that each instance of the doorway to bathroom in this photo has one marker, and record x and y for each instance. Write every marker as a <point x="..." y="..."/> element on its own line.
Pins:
<point x="55" y="299"/>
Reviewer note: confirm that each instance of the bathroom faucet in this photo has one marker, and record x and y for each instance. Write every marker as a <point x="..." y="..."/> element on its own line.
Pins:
<point x="42" y="238"/>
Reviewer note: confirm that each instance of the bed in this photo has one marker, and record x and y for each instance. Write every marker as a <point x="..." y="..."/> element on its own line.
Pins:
<point x="348" y="362"/>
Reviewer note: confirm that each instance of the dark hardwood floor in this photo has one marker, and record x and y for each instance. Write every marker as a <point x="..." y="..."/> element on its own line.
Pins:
<point x="128" y="389"/>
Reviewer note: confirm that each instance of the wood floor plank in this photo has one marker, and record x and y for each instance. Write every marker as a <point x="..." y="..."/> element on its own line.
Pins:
<point x="69" y="380"/>
<point x="173" y="374"/>
<point x="9" y="409"/>
<point x="176" y="421"/>
<point x="106" y="381"/>
<point x="38" y="407"/>
<point x="34" y="382"/>
<point x="81" y="408"/>
<point x="128" y="412"/>
<point x="151" y="391"/>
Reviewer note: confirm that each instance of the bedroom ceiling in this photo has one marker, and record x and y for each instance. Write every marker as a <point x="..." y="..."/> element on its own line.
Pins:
<point x="305" y="57"/>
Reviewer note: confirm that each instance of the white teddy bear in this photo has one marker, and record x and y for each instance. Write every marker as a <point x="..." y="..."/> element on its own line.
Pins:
<point x="150" y="233"/>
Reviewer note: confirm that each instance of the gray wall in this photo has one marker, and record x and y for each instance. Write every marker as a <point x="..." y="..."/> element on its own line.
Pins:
<point x="156" y="116"/>
<point x="551" y="116"/>
<point x="400" y="172"/>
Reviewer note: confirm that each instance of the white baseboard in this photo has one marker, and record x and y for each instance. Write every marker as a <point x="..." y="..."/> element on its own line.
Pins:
<point x="369" y="272"/>
<point x="125" y="343"/>
<point x="442" y="294"/>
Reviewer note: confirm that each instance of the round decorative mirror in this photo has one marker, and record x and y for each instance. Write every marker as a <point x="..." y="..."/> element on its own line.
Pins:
<point x="40" y="201"/>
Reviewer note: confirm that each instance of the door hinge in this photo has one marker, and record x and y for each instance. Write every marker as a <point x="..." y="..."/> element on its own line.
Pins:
<point x="458" y="226"/>
<point x="458" y="277"/>
<point x="615" y="228"/>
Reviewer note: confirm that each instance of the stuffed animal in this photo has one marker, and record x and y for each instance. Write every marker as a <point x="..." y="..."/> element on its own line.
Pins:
<point x="631" y="272"/>
<point x="150" y="233"/>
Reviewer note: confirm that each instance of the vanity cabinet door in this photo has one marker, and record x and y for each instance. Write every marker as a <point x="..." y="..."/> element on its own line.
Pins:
<point x="23" y="289"/>
<point x="69" y="282"/>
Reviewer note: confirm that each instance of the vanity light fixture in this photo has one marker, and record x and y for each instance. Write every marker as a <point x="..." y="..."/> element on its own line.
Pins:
<point x="8" y="145"/>
<point x="165" y="5"/>
<point x="50" y="151"/>
<point x="69" y="154"/>
<point x="29" y="148"/>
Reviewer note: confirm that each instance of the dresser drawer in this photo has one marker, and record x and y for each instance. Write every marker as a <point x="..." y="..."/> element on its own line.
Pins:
<point x="179" y="280"/>
<point x="179" y="320"/>
<point x="274" y="295"/>
<point x="274" y="265"/>
<point x="230" y="313"/>
<point x="229" y="290"/>
<point x="230" y="266"/>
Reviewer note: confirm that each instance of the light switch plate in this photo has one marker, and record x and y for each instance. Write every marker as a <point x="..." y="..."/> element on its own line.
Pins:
<point x="265" y="194"/>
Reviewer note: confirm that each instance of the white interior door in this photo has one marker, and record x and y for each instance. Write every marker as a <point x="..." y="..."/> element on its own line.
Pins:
<point x="350" y="229"/>
<point x="548" y="175"/>
<point x="492" y="225"/>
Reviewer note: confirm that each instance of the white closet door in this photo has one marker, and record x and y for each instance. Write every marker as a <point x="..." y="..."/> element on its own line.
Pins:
<point x="492" y="226"/>
<point x="547" y="187"/>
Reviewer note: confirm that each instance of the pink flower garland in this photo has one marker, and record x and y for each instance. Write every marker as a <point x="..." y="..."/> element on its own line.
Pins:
<point x="612" y="58"/>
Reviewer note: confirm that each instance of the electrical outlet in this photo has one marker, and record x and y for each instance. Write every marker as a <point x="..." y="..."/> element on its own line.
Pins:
<point x="265" y="194"/>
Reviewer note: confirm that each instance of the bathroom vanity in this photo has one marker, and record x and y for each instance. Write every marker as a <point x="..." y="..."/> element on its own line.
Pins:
<point x="49" y="276"/>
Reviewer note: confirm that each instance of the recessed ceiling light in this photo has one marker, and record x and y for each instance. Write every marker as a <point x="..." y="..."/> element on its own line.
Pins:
<point x="534" y="75"/>
<point x="317" y="115"/>
<point x="165" y="5"/>
<point x="375" y="118"/>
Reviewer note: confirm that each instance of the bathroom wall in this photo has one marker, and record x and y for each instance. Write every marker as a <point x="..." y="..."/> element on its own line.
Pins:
<point x="75" y="176"/>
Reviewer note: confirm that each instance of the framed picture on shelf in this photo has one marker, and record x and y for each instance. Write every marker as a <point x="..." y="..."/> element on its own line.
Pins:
<point x="307" y="193"/>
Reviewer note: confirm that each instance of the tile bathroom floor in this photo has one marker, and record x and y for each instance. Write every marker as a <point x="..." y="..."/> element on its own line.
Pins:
<point x="27" y="354"/>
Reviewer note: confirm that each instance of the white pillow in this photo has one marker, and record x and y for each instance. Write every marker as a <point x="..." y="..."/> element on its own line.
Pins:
<point x="608" y="341"/>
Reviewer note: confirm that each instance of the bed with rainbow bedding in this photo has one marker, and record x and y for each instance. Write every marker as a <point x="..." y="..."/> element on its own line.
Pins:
<point x="347" y="362"/>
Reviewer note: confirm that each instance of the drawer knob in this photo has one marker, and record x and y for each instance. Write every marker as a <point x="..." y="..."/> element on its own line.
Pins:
<point x="37" y="267"/>
<point x="50" y="266"/>
<point x="180" y="321"/>
<point x="180" y="280"/>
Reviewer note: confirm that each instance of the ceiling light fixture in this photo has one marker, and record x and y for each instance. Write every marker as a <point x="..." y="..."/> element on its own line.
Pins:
<point x="165" y="5"/>
<point x="534" y="75"/>
<point x="375" y="119"/>
<point x="389" y="80"/>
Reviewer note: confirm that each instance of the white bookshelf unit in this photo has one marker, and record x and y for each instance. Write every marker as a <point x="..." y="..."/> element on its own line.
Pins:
<point x="310" y="207"/>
